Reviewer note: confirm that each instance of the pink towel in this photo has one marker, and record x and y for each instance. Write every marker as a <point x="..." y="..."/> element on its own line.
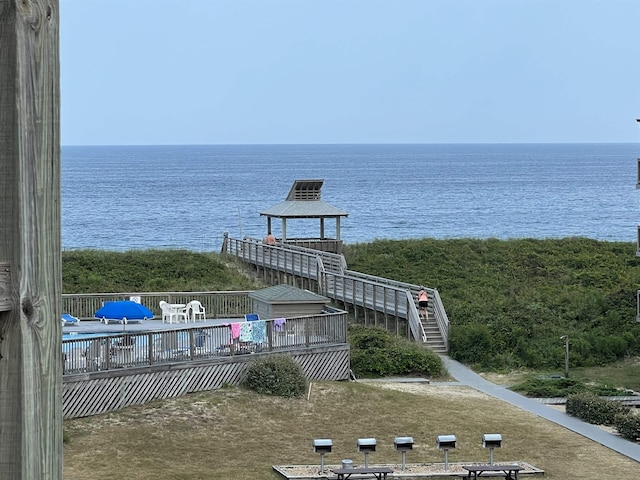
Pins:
<point x="235" y="330"/>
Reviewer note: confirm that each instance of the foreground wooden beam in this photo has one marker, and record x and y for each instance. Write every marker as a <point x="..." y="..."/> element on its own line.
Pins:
<point x="30" y="277"/>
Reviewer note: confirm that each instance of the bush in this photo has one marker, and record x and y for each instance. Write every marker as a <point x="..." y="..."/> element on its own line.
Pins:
<point x="377" y="353"/>
<point x="473" y="344"/>
<point x="277" y="375"/>
<point x="562" y="387"/>
<point x="628" y="426"/>
<point x="549" y="387"/>
<point x="595" y="410"/>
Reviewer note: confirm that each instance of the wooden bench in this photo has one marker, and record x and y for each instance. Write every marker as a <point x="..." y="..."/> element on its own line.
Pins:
<point x="376" y="472"/>
<point x="510" y="472"/>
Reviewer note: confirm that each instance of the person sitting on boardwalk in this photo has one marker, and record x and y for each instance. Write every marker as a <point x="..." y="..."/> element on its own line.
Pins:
<point x="269" y="239"/>
<point x="423" y="302"/>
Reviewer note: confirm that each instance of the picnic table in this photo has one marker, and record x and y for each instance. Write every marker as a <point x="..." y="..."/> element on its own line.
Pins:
<point x="377" y="472"/>
<point x="510" y="472"/>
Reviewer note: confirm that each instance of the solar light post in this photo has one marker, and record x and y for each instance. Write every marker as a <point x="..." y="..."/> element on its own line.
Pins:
<point x="445" y="442"/>
<point x="403" y="444"/>
<point x="491" y="441"/>
<point x="566" y="355"/>
<point x="322" y="446"/>
<point x="366" y="445"/>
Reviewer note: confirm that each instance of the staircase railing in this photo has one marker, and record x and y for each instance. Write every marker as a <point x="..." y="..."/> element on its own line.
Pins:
<point x="337" y="282"/>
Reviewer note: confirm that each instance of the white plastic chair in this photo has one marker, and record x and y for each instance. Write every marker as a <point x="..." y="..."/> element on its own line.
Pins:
<point x="167" y="312"/>
<point x="171" y="312"/>
<point x="197" y="311"/>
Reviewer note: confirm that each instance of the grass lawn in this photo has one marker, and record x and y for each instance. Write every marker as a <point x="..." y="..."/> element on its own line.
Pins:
<point x="235" y="434"/>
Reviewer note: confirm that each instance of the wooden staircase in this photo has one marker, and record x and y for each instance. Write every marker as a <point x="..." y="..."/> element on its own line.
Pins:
<point x="434" y="342"/>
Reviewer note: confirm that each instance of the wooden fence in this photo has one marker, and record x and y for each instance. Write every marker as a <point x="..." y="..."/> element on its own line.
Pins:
<point x="229" y="304"/>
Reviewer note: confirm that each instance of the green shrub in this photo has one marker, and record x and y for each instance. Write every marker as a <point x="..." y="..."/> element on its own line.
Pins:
<point x="472" y="344"/>
<point x="549" y="387"/>
<point x="561" y="387"/>
<point x="593" y="409"/>
<point x="277" y="375"/>
<point x="377" y="353"/>
<point x="628" y="426"/>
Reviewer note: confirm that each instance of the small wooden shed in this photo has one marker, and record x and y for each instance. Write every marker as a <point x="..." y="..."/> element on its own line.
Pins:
<point x="284" y="301"/>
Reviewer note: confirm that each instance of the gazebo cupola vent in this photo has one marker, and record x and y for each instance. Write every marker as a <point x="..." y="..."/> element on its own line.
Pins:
<point x="305" y="190"/>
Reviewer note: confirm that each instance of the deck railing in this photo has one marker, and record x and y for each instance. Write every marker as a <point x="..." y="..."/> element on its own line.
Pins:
<point x="139" y="349"/>
<point x="295" y="261"/>
<point x="329" y="245"/>
<point x="437" y="308"/>
<point x="229" y="304"/>
<point x="333" y="262"/>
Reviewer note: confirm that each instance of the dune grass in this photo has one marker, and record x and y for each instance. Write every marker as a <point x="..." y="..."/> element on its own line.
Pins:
<point x="237" y="434"/>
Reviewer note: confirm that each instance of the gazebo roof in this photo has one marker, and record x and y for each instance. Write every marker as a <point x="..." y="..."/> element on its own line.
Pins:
<point x="303" y="201"/>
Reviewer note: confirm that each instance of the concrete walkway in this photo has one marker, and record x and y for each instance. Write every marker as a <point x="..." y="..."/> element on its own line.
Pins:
<point x="467" y="377"/>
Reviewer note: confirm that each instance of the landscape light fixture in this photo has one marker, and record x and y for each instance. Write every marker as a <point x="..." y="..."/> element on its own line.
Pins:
<point x="446" y="442"/>
<point x="366" y="445"/>
<point x="491" y="441"/>
<point x="322" y="446"/>
<point x="566" y="355"/>
<point x="403" y="444"/>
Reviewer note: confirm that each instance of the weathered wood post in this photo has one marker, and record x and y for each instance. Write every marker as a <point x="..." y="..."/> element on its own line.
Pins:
<point x="30" y="257"/>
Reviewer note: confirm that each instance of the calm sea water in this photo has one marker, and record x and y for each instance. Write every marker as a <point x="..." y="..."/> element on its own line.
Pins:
<point x="138" y="197"/>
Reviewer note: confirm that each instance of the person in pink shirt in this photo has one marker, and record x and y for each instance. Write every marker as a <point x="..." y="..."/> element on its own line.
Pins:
<point x="269" y="239"/>
<point x="423" y="303"/>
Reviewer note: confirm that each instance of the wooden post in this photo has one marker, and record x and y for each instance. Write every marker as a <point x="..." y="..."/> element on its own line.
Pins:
<point x="30" y="324"/>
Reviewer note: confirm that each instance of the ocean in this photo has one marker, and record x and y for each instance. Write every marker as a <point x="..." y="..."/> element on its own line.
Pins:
<point x="141" y="197"/>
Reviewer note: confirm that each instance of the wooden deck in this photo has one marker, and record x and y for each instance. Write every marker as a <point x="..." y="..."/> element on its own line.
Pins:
<point x="380" y="301"/>
<point x="107" y="367"/>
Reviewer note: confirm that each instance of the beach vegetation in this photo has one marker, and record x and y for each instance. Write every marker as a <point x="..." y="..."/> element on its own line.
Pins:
<point x="99" y="271"/>
<point x="509" y="302"/>
<point x="377" y="353"/>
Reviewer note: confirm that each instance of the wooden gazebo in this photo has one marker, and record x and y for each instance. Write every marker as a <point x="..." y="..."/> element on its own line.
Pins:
<point x="304" y="202"/>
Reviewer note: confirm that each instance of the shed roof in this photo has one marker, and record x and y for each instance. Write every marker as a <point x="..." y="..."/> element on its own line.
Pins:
<point x="279" y="294"/>
<point x="303" y="201"/>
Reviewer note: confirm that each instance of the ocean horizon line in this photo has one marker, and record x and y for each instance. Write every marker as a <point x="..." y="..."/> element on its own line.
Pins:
<point x="340" y="144"/>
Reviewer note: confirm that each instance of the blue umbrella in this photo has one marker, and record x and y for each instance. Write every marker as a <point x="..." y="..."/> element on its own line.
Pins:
<point x="123" y="311"/>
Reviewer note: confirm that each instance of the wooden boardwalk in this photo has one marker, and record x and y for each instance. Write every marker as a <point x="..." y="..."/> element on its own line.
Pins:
<point x="380" y="301"/>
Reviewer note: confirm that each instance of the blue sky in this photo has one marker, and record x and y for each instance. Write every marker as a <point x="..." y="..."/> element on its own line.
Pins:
<point x="349" y="71"/>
